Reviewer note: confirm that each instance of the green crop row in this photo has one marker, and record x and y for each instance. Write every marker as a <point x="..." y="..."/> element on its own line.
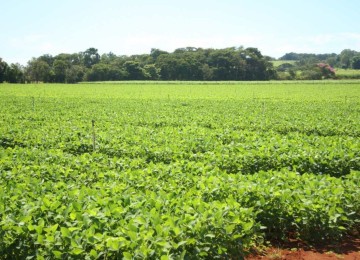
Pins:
<point x="238" y="137"/>
<point x="178" y="170"/>
<point x="244" y="152"/>
<point x="75" y="208"/>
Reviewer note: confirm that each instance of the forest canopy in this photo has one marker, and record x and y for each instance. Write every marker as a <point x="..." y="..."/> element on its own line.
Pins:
<point x="190" y="63"/>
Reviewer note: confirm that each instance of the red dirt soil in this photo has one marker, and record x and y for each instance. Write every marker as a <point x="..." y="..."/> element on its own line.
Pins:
<point x="348" y="249"/>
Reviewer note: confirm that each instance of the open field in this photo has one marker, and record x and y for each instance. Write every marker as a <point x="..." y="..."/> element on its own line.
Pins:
<point x="190" y="170"/>
<point x="277" y="63"/>
<point x="348" y="74"/>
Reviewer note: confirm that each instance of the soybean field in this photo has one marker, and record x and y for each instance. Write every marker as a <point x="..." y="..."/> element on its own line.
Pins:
<point x="176" y="170"/>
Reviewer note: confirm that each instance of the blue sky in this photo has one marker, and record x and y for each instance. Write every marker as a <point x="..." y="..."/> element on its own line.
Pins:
<point x="31" y="28"/>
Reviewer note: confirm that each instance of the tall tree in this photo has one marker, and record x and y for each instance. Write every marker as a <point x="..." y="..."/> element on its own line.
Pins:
<point x="49" y="59"/>
<point x="345" y="58"/>
<point x="3" y="68"/>
<point x="155" y="53"/>
<point x="134" y="70"/>
<point x="355" y="62"/>
<point x="256" y="66"/>
<point x="108" y="58"/>
<point x="227" y="64"/>
<point x="38" y="70"/>
<point x="60" y="67"/>
<point x="151" y="72"/>
<point x="74" y="74"/>
<point x="15" y="73"/>
<point x="91" y="57"/>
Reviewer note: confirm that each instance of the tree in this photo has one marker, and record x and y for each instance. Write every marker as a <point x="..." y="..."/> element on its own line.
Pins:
<point x="326" y="70"/>
<point x="355" y="62"/>
<point x="15" y="73"/>
<point x="74" y="74"/>
<point x="105" y="72"/>
<point x="98" y="72"/>
<point x="3" y="69"/>
<point x="38" y="70"/>
<point x="108" y="58"/>
<point x="166" y="64"/>
<point x="155" y="53"/>
<point x="286" y="71"/>
<point x="60" y="67"/>
<point x="345" y="58"/>
<point x="207" y="72"/>
<point x="332" y="61"/>
<point x="256" y="65"/>
<point x="76" y="59"/>
<point x="47" y="58"/>
<point x="134" y="70"/>
<point x="225" y="64"/>
<point x="151" y="72"/>
<point x="285" y="66"/>
<point x="290" y="56"/>
<point x="311" y="74"/>
<point x="90" y="57"/>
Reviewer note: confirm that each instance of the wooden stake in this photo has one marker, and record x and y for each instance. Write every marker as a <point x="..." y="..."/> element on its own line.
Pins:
<point x="94" y="138"/>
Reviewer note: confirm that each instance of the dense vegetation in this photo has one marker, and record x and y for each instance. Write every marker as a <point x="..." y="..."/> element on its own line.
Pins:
<point x="182" y="64"/>
<point x="191" y="170"/>
<point x="347" y="59"/>
<point x="319" y="66"/>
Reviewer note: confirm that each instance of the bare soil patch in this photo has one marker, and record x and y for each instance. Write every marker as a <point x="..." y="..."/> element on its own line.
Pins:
<point x="347" y="249"/>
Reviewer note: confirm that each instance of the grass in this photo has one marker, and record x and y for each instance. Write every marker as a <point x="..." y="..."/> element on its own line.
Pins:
<point x="347" y="74"/>
<point x="277" y="63"/>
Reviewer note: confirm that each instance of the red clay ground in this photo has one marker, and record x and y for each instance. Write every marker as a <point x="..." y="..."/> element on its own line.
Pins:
<point x="348" y="249"/>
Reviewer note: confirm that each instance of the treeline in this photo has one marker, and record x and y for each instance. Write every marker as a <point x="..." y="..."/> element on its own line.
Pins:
<point x="317" y="66"/>
<point x="183" y="64"/>
<point x="347" y="59"/>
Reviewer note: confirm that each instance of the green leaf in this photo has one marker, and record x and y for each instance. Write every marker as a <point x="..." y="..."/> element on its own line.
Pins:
<point x="73" y="215"/>
<point x="77" y="251"/>
<point x="50" y="238"/>
<point x="229" y="228"/>
<point x="113" y="243"/>
<point x="41" y="223"/>
<point x="93" y="253"/>
<point x="177" y="230"/>
<point x="77" y="205"/>
<point x="57" y="254"/>
<point x="65" y="232"/>
<point x="46" y="202"/>
<point x="52" y="228"/>
<point x="159" y="230"/>
<point x="30" y="227"/>
<point x="26" y="219"/>
<point x="127" y="256"/>
<point x="40" y="239"/>
<point x="72" y="229"/>
<point x="132" y="235"/>
<point x="247" y="226"/>
<point x="133" y="228"/>
<point x="181" y="243"/>
<point x="38" y="229"/>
